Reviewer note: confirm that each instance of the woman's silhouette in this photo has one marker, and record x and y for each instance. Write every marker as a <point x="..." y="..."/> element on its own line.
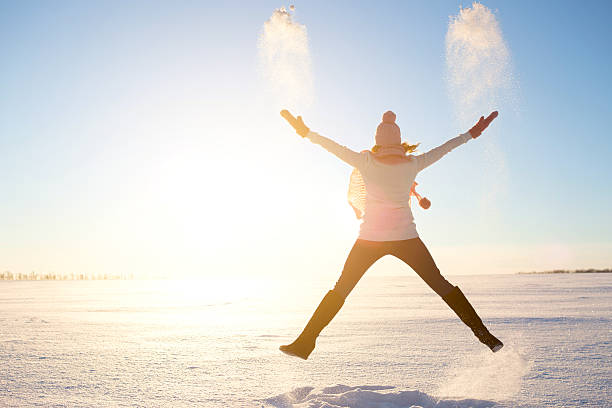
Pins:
<point x="388" y="226"/>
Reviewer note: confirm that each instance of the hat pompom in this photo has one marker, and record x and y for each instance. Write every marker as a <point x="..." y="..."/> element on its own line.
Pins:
<point x="388" y="117"/>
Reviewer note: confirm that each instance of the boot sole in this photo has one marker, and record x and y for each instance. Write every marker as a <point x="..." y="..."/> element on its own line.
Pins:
<point x="290" y="353"/>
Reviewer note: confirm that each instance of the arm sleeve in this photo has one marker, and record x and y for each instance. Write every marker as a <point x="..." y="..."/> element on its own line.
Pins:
<point x="427" y="159"/>
<point x="343" y="153"/>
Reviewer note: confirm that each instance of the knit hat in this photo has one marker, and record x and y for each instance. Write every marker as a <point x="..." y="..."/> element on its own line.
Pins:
<point x="388" y="133"/>
<point x="388" y="137"/>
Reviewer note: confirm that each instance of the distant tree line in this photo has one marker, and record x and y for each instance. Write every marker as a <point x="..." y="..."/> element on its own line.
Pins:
<point x="569" y="271"/>
<point x="35" y="276"/>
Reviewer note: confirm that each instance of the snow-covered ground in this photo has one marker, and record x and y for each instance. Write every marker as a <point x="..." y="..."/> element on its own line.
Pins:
<point x="395" y="344"/>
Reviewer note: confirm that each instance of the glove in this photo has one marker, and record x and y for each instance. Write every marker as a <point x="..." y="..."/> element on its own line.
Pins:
<point x="482" y="124"/>
<point x="298" y="124"/>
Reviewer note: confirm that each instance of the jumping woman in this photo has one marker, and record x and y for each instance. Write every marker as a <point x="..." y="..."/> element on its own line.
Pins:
<point x="387" y="172"/>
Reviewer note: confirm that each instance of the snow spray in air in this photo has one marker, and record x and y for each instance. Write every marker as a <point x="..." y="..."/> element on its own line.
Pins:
<point x="478" y="64"/>
<point x="284" y="57"/>
<point x="480" y="80"/>
<point x="486" y="376"/>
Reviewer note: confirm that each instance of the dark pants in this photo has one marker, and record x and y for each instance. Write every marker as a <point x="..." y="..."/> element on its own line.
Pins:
<point x="411" y="251"/>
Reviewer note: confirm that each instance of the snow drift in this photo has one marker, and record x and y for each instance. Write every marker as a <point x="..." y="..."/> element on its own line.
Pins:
<point x="367" y="396"/>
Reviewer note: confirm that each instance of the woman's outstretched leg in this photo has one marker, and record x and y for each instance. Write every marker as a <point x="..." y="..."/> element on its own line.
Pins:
<point x="462" y="307"/>
<point x="362" y="256"/>
<point x="415" y="253"/>
<point x="306" y="341"/>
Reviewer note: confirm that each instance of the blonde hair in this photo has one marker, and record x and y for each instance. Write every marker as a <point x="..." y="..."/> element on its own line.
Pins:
<point x="408" y="148"/>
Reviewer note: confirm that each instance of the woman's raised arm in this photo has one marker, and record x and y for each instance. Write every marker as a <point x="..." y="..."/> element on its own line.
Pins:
<point x="432" y="156"/>
<point x="343" y="153"/>
<point x="427" y="159"/>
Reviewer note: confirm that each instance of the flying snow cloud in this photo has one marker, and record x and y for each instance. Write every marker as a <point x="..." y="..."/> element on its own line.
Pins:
<point x="479" y="69"/>
<point x="480" y="79"/>
<point x="285" y="60"/>
<point x="486" y="376"/>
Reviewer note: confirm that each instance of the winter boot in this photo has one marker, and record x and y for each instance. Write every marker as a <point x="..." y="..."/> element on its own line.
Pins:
<point x="305" y="343"/>
<point x="460" y="305"/>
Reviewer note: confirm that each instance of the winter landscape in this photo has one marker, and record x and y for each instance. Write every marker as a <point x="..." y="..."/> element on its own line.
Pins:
<point x="181" y="184"/>
<point x="394" y="345"/>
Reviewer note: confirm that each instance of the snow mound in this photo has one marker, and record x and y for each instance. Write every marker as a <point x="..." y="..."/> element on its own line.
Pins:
<point x="367" y="396"/>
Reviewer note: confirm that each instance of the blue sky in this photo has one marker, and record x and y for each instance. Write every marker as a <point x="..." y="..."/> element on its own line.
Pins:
<point x="141" y="137"/>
